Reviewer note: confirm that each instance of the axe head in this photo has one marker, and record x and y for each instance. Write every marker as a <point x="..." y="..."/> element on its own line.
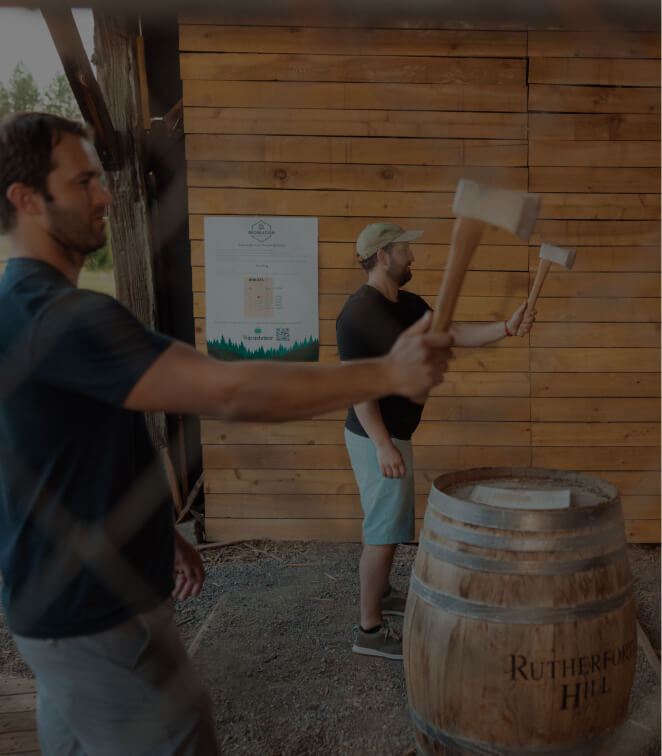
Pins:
<point x="558" y="255"/>
<point x="514" y="211"/>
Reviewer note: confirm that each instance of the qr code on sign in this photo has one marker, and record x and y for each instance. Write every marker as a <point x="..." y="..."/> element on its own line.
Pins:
<point x="282" y="334"/>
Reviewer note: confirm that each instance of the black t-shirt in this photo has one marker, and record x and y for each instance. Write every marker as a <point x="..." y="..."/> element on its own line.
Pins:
<point x="368" y="326"/>
<point x="86" y="534"/>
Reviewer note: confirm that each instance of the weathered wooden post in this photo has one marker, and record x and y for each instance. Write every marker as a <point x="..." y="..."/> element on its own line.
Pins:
<point x="116" y="60"/>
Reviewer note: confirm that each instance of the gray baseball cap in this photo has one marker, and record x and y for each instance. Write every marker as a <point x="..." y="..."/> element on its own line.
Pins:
<point x="378" y="235"/>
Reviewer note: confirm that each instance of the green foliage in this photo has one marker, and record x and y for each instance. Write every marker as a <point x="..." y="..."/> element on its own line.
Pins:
<point x="22" y="93"/>
<point x="5" y="101"/>
<point x="102" y="259"/>
<point x="59" y="99"/>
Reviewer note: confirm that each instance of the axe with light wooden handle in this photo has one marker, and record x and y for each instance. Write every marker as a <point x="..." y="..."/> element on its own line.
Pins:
<point x="477" y="206"/>
<point x="548" y="254"/>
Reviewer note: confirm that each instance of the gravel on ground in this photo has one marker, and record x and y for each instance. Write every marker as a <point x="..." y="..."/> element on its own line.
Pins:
<point x="271" y="638"/>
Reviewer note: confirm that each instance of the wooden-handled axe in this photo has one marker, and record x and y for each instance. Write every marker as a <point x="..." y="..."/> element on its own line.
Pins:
<point x="478" y="206"/>
<point x="548" y="254"/>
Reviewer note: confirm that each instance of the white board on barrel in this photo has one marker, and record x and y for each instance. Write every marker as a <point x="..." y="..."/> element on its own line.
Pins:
<point x="518" y="499"/>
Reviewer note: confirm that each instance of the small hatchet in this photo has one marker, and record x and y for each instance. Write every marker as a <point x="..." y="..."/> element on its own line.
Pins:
<point x="477" y="206"/>
<point x="548" y="254"/>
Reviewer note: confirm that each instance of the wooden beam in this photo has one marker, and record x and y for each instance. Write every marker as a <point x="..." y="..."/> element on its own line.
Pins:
<point x="544" y="14"/>
<point x="133" y="257"/>
<point x="190" y="499"/>
<point x="83" y="83"/>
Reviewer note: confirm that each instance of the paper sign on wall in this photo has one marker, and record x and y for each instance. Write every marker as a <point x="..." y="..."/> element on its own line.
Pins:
<point x="261" y="288"/>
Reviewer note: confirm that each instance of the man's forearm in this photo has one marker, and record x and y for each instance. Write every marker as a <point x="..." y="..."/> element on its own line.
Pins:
<point x="389" y="457"/>
<point x="278" y="391"/>
<point x="182" y="380"/>
<point x="476" y="334"/>
<point x="371" y="420"/>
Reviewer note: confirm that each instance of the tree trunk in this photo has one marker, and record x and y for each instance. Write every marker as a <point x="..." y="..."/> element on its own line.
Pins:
<point x="117" y="72"/>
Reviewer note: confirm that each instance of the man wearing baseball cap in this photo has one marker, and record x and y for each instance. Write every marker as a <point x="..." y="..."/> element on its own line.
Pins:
<point x="378" y="432"/>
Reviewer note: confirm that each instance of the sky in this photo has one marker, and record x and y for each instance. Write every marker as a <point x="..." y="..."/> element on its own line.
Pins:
<point x="24" y="37"/>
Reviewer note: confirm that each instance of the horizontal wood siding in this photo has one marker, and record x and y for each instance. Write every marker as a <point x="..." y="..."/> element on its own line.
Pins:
<point x="594" y="102"/>
<point x="360" y="124"/>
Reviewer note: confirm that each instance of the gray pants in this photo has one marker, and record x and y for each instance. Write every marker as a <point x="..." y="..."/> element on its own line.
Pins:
<point x="128" y="691"/>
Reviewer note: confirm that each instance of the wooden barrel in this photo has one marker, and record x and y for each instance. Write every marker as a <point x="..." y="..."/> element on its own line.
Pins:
<point x="520" y="628"/>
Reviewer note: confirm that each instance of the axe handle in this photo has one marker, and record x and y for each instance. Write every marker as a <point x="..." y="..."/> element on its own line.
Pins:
<point x="466" y="237"/>
<point x="543" y="267"/>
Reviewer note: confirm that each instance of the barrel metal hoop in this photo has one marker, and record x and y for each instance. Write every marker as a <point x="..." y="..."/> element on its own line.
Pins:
<point x="518" y="615"/>
<point x="513" y="567"/>
<point x="615" y="537"/>
<point x="472" y="513"/>
<point x="478" y="748"/>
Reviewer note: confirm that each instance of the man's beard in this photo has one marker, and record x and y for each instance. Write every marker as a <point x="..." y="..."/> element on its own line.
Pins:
<point x="400" y="277"/>
<point x="69" y="230"/>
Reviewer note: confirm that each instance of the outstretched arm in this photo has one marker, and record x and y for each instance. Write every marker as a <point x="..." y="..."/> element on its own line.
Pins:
<point x="185" y="381"/>
<point x="479" y="334"/>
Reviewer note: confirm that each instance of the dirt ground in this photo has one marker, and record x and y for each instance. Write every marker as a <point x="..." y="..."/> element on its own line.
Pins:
<point x="271" y="637"/>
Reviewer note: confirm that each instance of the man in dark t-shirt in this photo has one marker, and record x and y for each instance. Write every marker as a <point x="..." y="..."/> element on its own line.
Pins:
<point x="378" y="432"/>
<point x="68" y="449"/>
<point x="88" y="553"/>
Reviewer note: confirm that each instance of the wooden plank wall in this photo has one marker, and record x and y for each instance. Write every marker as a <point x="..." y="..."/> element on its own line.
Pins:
<point x="357" y="125"/>
<point x="594" y="129"/>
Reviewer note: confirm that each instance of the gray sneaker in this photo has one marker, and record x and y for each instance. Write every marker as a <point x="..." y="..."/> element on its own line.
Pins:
<point x="385" y="642"/>
<point x="394" y="603"/>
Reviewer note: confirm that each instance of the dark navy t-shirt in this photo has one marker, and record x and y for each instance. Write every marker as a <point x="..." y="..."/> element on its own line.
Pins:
<point x="86" y="534"/>
<point x="368" y="326"/>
